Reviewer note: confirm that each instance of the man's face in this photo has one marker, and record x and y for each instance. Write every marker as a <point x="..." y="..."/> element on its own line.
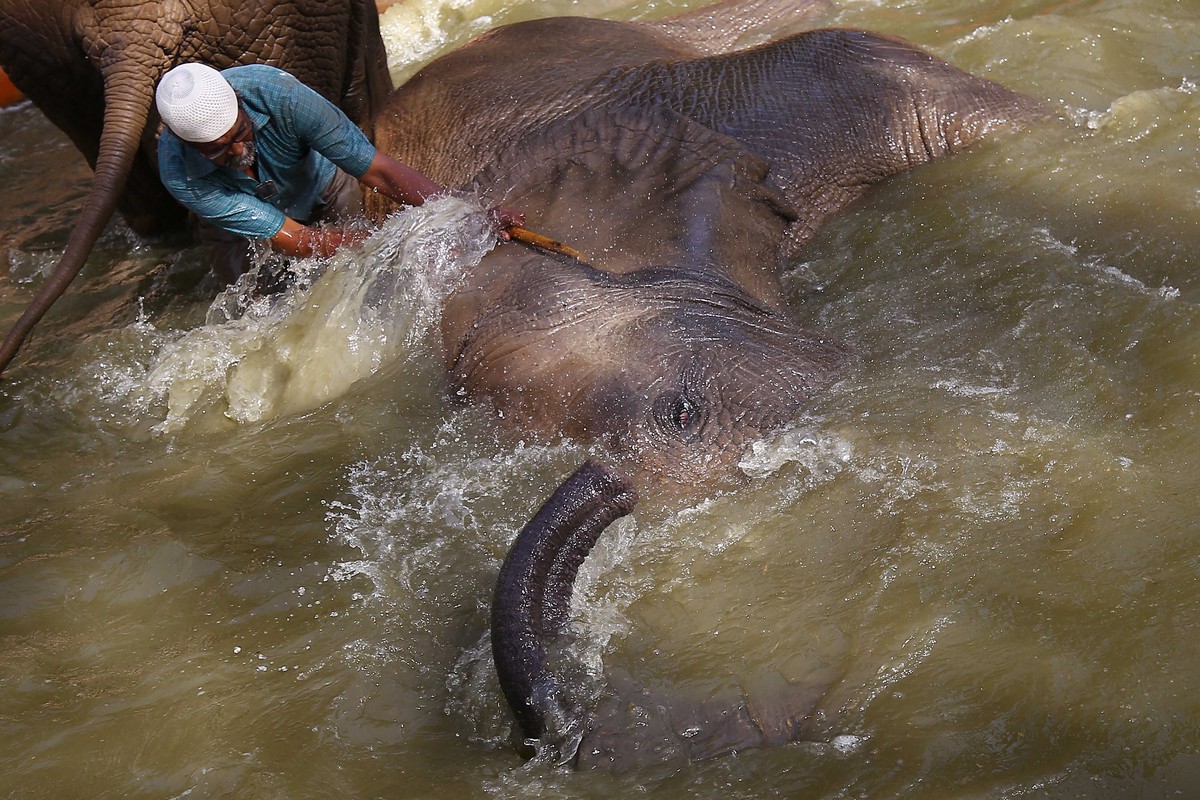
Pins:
<point x="235" y="148"/>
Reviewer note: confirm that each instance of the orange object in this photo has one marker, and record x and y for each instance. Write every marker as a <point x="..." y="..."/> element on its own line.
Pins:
<point x="545" y="243"/>
<point x="8" y="93"/>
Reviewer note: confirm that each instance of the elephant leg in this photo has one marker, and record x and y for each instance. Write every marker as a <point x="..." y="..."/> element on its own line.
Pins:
<point x="736" y="24"/>
<point x="835" y="111"/>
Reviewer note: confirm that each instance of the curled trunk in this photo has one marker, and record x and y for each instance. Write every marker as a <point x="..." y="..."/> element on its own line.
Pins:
<point x="532" y="601"/>
<point x="629" y="726"/>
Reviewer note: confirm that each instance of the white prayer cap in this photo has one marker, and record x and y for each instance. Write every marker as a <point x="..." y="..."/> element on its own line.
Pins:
<point x="197" y="104"/>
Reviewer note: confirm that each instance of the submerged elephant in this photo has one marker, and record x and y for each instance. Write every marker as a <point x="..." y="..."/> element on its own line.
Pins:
<point x="92" y="66"/>
<point x="687" y="176"/>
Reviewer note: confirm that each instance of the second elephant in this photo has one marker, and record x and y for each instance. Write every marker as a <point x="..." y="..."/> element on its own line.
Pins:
<point x="688" y="178"/>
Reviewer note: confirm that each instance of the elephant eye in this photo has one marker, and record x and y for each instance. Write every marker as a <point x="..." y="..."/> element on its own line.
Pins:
<point x="679" y="414"/>
<point x="683" y="413"/>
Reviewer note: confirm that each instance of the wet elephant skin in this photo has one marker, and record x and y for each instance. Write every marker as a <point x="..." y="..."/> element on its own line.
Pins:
<point x="689" y="173"/>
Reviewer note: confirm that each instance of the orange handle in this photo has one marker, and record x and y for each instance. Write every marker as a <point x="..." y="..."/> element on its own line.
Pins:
<point x="8" y="92"/>
<point x="545" y="243"/>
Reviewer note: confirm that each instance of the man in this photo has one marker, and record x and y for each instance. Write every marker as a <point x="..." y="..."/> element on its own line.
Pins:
<point x="257" y="155"/>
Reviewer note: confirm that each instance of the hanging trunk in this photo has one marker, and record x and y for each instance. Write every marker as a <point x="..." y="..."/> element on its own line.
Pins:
<point x="128" y="95"/>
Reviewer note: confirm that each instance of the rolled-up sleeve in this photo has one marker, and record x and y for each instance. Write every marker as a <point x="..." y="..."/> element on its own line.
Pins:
<point x="236" y="212"/>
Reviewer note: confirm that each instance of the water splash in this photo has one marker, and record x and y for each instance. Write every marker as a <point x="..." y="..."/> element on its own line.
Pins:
<point x="259" y="357"/>
<point x="417" y="31"/>
<point x="414" y="32"/>
<point x="819" y="453"/>
<point x="1137" y="115"/>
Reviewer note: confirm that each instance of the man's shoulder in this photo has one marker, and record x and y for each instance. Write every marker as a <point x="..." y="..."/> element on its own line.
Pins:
<point x="171" y="149"/>
<point x="252" y="77"/>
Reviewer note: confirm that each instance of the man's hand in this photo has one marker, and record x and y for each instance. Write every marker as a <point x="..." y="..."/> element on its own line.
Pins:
<point x="302" y="241"/>
<point x="504" y="220"/>
<point x="404" y="184"/>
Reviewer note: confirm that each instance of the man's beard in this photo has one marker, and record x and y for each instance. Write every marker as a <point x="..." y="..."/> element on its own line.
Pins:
<point x="246" y="160"/>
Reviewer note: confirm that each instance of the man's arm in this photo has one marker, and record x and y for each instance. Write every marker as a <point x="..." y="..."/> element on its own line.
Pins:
<point x="302" y="241"/>
<point x="402" y="183"/>
<point x="398" y="181"/>
<point x="386" y="175"/>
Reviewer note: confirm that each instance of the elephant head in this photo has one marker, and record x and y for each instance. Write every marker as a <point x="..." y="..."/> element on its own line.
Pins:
<point x="92" y="65"/>
<point x="668" y="349"/>
<point x="687" y="178"/>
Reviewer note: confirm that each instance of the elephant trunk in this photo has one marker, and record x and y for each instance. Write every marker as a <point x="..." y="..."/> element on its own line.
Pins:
<point x="630" y="726"/>
<point x="531" y="606"/>
<point x="127" y="100"/>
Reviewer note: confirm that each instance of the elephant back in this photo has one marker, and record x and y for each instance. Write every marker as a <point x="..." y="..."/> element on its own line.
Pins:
<point x="834" y="111"/>
<point x="451" y="118"/>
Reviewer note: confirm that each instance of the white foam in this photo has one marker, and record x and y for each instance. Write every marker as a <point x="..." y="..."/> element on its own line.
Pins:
<point x="415" y="31"/>
<point x="822" y="455"/>
<point x="259" y="357"/>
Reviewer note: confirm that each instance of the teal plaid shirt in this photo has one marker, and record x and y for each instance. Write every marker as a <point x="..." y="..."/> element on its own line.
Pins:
<point x="299" y="137"/>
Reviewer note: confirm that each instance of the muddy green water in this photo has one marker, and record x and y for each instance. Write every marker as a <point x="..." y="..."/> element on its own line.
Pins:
<point x="254" y="559"/>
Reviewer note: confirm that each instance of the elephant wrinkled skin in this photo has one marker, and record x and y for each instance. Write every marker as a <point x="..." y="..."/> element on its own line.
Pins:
<point x="91" y="66"/>
<point x="688" y="176"/>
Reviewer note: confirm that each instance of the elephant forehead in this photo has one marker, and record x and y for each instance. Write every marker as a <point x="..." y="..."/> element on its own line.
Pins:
<point x="754" y="368"/>
<point x="577" y="363"/>
<point x="522" y="307"/>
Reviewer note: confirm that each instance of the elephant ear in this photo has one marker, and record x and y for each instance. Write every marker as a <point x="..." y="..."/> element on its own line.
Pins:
<point x="633" y="187"/>
<point x="834" y="111"/>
